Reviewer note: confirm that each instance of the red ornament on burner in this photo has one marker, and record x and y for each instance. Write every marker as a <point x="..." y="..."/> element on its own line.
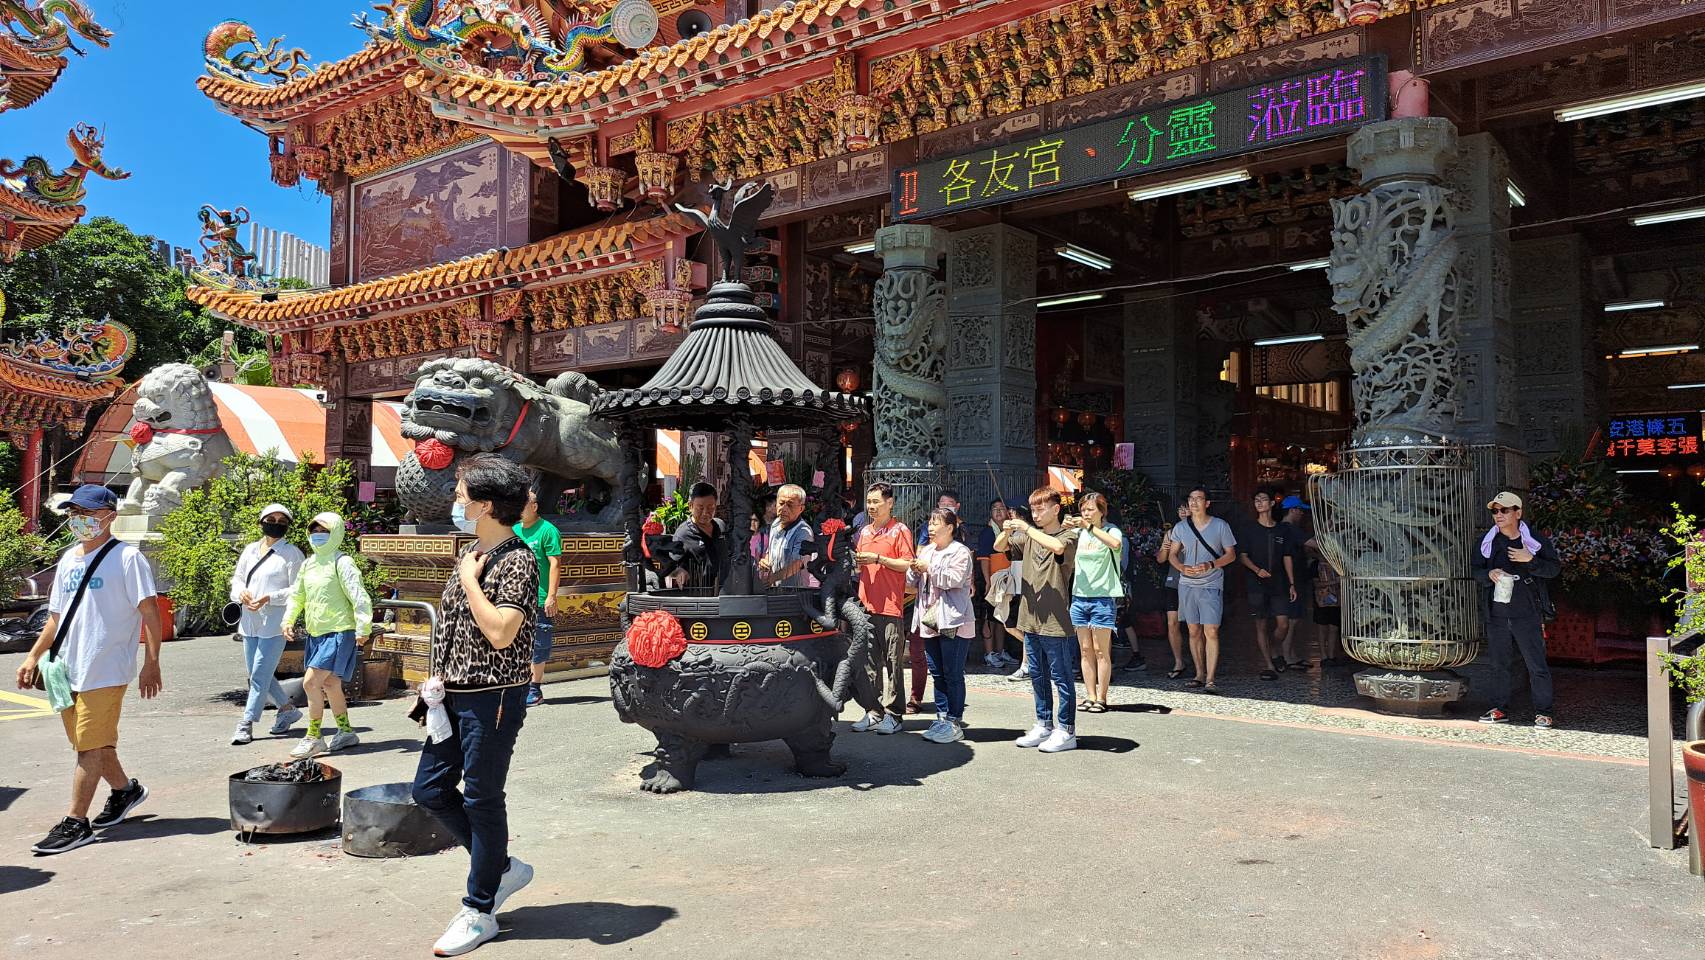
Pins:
<point x="655" y="638"/>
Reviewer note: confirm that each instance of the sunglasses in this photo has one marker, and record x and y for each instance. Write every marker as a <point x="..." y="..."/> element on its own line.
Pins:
<point x="1498" y="510"/>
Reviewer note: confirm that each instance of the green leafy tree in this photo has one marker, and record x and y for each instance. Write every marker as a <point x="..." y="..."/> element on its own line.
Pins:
<point x="21" y="554"/>
<point x="254" y="367"/>
<point x="100" y="269"/>
<point x="204" y="535"/>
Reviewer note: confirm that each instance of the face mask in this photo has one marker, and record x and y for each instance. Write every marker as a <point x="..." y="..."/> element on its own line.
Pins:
<point x="274" y="530"/>
<point x="459" y="517"/>
<point x="84" y="528"/>
<point x="319" y="539"/>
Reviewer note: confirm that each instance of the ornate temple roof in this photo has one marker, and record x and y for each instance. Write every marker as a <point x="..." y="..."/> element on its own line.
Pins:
<point x="50" y="380"/>
<point x="38" y="204"/>
<point x="587" y="251"/>
<point x="368" y="69"/>
<point x="32" y="47"/>
<point x="730" y="365"/>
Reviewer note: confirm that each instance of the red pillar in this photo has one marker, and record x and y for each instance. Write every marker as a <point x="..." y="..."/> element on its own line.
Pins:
<point x="30" y="490"/>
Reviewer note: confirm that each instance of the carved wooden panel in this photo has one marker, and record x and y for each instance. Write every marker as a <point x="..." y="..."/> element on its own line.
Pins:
<point x="435" y="211"/>
<point x="1478" y="31"/>
<point x="1290" y="58"/>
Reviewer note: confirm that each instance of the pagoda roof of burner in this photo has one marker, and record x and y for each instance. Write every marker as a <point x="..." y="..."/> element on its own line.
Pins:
<point x="730" y="365"/>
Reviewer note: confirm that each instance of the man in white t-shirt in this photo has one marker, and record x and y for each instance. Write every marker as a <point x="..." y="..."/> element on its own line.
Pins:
<point x="99" y="652"/>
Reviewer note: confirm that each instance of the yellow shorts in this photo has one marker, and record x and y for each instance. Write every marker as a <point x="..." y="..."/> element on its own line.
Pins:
<point x="91" y="722"/>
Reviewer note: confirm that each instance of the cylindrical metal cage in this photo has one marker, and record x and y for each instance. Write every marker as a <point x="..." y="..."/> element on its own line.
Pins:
<point x="1396" y="522"/>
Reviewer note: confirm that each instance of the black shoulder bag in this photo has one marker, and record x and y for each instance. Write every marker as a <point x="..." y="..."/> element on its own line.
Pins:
<point x="1202" y="540"/>
<point x="232" y="613"/>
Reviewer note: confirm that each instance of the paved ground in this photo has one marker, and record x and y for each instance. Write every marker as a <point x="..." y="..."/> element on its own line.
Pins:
<point x="1171" y="834"/>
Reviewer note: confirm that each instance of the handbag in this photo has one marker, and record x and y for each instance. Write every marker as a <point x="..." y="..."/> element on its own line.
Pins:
<point x="52" y="675"/>
<point x="232" y="613"/>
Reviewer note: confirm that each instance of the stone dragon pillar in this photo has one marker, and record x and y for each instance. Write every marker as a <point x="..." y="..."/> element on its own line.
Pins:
<point x="1395" y="520"/>
<point x="910" y="401"/>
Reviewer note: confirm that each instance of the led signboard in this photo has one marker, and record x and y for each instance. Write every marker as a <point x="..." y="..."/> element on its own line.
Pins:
<point x="1654" y="435"/>
<point x="1332" y="99"/>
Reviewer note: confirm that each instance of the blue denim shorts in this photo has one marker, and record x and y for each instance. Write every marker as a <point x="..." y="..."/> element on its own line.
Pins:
<point x="333" y="652"/>
<point x="543" y="633"/>
<point x="1095" y="612"/>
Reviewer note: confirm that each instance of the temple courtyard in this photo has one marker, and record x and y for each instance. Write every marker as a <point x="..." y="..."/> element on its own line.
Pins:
<point x="1267" y="822"/>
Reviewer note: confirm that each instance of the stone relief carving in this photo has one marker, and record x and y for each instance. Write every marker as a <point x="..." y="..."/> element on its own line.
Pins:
<point x="971" y="262"/>
<point x="1394" y="280"/>
<point x="911" y="348"/>
<point x="970" y="345"/>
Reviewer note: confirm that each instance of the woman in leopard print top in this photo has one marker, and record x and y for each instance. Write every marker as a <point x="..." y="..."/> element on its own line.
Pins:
<point x="481" y="650"/>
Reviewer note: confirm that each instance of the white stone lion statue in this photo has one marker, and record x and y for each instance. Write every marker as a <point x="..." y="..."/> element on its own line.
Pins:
<point x="179" y="440"/>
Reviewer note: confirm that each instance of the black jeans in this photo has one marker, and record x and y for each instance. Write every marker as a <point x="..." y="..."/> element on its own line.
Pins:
<point x="1506" y="636"/>
<point x="483" y="728"/>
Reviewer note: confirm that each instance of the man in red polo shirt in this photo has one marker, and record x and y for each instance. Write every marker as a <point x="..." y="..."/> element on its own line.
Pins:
<point x="884" y="553"/>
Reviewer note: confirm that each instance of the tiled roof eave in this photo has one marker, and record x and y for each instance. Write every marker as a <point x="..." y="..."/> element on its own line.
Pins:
<point x="579" y="254"/>
<point x="373" y="67"/>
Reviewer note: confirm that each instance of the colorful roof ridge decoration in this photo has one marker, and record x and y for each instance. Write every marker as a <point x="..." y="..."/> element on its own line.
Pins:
<point x="51" y="380"/>
<point x="36" y="35"/>
<point x="37" y="203"/>
<point x="602" y="248"/>
<point x="371" y="67"/>
<point x="514" y="43"/>
<point x="262" y="62"/>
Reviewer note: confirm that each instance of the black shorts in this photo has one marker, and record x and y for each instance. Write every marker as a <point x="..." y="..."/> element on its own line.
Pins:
<point x="1264" y="605"/>
<point x="1171" y="599"/>
<point x="1329" y="616"/>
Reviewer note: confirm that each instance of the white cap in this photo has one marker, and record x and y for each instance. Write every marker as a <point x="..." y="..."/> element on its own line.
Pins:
<point x="273" y="508"/>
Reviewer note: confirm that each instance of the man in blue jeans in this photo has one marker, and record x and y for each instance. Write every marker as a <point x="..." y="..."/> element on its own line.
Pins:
<point x="1046" y="557"/>
<point x="481" y="650"/>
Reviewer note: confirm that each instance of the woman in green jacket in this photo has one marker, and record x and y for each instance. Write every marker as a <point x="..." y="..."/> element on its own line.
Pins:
<point x="335" y="608"/>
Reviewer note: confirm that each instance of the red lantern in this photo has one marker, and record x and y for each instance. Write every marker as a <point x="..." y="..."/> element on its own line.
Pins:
<point x="1236" y="442"/>
<point x="847" y="380"/>
<point x="1061" y="415"/>
<point x="1114" y="422"/>
<point x="1086" y="420"/>
<point x="1697" y="471"/>
<point x="1670" y="473"/>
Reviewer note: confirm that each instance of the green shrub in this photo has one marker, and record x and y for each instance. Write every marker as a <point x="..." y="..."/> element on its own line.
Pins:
<point x="203" y="537"/>
<point x="21" y="554"/>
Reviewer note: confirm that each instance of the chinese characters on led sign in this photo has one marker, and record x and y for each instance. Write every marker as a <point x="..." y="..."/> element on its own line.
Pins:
<point x="1666" y="435"/>
<point x="1332" y="99"/>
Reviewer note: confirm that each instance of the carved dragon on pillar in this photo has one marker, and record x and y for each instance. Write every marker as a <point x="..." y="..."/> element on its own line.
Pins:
<point x="911" y="356"/>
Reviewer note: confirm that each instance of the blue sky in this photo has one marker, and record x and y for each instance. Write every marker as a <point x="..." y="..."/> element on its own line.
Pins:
<point x="180" y="150"/>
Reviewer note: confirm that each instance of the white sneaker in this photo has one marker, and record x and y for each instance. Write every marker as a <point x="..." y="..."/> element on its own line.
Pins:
<point x="1061" y="739"/>
<point x="309" y="747"/>
<point x="518" y="874"/>
<point x="871" y="719"/>
<point x="1037" y="735"/>
<point x="1008" y="658"/>
<point x="993" y="661"/>
<point x="1022" y="673"/>
<point x="244" y="734"/>
<point x="286" y="719"/>
<point x="888" y="725"/>
<point x="950" y="732"/>
<point x="342" y="741"/>
<point x="470" y="929"/>
<point x="937" y="730"/>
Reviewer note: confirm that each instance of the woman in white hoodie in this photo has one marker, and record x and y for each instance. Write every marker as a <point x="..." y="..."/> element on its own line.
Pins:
<point x="261" y="585"/>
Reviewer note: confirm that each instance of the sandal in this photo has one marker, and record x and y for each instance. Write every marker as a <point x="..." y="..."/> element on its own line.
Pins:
<point x="1192" y="682"/>
<point x="1175" y="674"/>
<point x="1100" y="707"/>
<point x="1279" y="664"/>
<point x="1210" y="688"/>
<point x="1299" y="664"/>
<point x="1269" y="675"/>
<point x="1085" y="704"/>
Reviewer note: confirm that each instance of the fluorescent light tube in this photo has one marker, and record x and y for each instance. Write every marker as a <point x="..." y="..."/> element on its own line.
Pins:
<point x="1517" y="198"/>
<point x="1072" y="298"/>
<point x="1648" y="351"/>
<point x="863" y="246"/>
<point x="1302" y="265"/>
<point x="1631" y="101"/>
<point x="1297" y="338"/>
<point x="1636" y="471"/>
<point x="1687" y="386"/>
<point x="1206" y="180"/>
<point x="1088" y="258"/>
<point x="1668" y="216"/>
<point x="1623" y="306"/>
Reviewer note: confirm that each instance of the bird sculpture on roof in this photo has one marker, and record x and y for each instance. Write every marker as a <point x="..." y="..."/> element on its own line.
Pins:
<point x="733" y="221"/>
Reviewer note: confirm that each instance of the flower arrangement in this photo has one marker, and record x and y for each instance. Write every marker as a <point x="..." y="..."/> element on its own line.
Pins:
<point x="1613" y="555"/>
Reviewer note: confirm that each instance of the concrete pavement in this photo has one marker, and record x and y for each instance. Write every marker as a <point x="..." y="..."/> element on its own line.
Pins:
<point x="1170" y="834"/>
